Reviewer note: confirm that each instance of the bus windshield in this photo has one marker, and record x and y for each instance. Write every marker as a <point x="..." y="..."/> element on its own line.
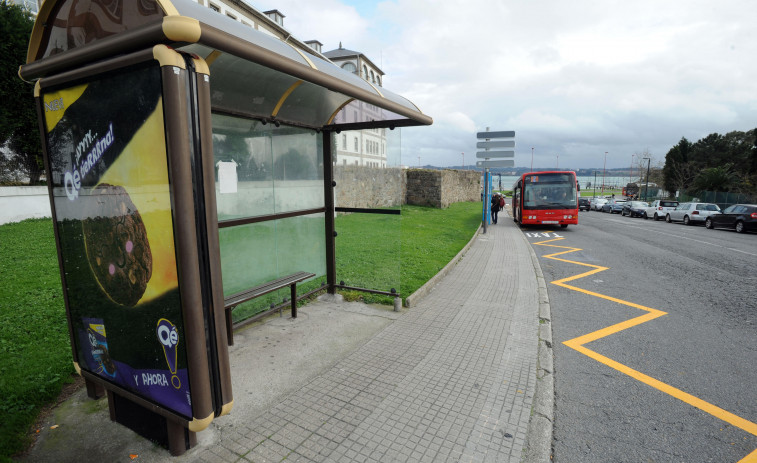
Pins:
<point x="549" y="191"/>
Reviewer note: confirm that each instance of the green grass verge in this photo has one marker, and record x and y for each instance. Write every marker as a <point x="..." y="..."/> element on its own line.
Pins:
<point x="35" y="353"/>
<point x="373" y="251"/>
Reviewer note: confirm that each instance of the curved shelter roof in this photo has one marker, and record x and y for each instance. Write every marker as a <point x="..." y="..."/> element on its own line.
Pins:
<point x="252" y="73"/>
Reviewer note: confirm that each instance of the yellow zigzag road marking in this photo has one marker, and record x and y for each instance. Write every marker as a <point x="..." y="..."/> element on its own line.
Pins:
<point x="579" y="345"/>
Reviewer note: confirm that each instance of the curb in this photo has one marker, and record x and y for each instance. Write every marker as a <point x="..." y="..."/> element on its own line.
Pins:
<point x="538" y="447"/>
<point x="429" y="285"/>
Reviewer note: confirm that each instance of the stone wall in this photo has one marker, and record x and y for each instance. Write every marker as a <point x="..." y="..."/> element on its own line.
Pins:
<point x="440" y="188"/>
<point x="460" y="186"/>
<point x="368" y="187"/>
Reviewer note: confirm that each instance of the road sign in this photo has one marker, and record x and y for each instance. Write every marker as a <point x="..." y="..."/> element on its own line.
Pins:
<point x="496" y="144"/>
<point x="497" y="163"/>
<point x="501" y="134"/>
<point x="495" y="154"/>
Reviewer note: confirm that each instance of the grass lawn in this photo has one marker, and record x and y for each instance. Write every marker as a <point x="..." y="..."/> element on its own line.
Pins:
<point x="35" y="353"/>
<point x="373" y="251"/>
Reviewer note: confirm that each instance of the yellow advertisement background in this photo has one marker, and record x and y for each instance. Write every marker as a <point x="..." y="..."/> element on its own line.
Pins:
<point x="67" y="97"/>
<point x="142" y="170"/>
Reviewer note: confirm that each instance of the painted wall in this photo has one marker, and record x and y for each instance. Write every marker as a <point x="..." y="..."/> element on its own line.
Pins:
<point x="23" y="202"/>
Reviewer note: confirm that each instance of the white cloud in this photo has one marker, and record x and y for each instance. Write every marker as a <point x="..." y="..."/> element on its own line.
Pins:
<point x="571" y="78"/>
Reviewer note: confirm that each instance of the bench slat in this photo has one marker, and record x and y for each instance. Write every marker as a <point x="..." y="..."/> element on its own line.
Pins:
<point x="265" y="288"/>
<point x="235" y="299"/>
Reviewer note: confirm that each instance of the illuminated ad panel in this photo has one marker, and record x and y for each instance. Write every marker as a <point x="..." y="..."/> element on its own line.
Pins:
<point x="107" y="153"/>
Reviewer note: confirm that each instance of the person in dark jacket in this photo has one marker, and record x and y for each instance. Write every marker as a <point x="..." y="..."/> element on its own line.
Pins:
<point x="495" y="207"/>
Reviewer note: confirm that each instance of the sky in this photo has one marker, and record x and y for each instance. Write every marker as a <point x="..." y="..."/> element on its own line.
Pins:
<point x="584" y="84"/>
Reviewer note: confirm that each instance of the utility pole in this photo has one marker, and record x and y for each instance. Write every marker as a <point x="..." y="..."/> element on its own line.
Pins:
<point x="646" y="189"/>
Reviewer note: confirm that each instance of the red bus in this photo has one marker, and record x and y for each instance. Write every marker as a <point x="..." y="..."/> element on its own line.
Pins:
<point x="546" y="198"/>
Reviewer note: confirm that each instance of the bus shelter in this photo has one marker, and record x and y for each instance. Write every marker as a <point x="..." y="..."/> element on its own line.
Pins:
<point x="187" y="156"/>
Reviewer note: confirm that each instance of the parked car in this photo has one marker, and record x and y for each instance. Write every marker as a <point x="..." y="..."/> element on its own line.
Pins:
<point x="689" y="213"/>
<point x="634" y="208"/>
<point x="740" y="217"/>
<point x="659" y="209"/>
<point x="583" y="204"/>
<point x="597" y="203"/>
<point x="614" y="206"/>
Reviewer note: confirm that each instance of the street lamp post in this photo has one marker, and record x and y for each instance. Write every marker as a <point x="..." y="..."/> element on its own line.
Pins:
<point x="630" y="176"/>
<point x="595" y="185"/>
<point x="646" y="188"/>
<point x="604" y="172"/>
<point x="463" y="161"/>
<point x="532" y="159"/>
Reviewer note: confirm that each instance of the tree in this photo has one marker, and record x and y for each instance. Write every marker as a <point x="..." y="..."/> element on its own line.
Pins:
<point x="715" y="178"/>
<point x="293" y="165"/>
<point x="18" y="116"/>
<point x="676" y="173"/>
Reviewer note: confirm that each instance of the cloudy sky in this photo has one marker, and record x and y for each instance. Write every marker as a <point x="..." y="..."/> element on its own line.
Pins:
<point x="574" y="79"/>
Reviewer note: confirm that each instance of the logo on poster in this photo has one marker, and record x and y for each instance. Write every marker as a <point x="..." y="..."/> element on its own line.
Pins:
<point x="72" y="180"/>
<point x="54" y="105"/>
<point x="169" y="338"/>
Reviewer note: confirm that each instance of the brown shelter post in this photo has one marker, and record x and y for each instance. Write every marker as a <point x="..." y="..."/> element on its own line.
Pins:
<point x="328" y="194"/>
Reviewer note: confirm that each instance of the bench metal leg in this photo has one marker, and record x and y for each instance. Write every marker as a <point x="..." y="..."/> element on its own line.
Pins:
<point x="294" y="300"/>
<point x="229" y="325"/>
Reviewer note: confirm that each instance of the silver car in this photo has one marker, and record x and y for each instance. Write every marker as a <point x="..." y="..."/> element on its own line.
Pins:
<point x="690" y="213"/>
<point x="597" y="203"/>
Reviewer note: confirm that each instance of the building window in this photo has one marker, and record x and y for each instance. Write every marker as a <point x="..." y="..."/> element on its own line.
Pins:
<point x="231" y="16"/>
<point x="344" y="141"/>
<point x="357" y="147"/>
<point x="373" y="77"/>
<point x="215" y="8"/>
<point x="365" y="72"/>
<point x="378" y="80"/>
<point x="350" y="67"/>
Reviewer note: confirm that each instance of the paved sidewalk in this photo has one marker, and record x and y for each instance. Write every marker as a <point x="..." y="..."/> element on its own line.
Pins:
<point x="453" y="378"/>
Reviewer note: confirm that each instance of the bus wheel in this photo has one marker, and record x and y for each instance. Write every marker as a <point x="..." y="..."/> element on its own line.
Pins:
<point x="564" y="225"/>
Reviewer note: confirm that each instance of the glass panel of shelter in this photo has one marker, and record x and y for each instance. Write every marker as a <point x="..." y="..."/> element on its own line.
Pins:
<point x="368" y="242"/>
<point x="263" y="170"/>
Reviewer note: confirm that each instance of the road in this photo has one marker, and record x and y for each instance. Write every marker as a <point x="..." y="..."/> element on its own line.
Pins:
<point x="674" y="377"/>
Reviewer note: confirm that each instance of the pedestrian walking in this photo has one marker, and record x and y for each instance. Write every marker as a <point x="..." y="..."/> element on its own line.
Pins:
<point x="495" y="207"/>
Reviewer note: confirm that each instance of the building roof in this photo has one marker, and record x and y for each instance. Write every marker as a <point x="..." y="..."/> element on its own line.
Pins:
<point x="343" y="53"/>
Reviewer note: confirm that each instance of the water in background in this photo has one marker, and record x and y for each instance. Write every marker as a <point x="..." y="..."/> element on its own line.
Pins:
<point x="583" y="181"/>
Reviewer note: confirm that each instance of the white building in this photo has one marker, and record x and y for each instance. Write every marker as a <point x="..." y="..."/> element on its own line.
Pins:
<point x="31" y="5"/>
<point x="359" y="147"/>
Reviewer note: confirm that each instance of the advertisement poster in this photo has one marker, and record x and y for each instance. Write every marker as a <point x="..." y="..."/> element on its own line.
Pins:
<point x="107" y="151"/>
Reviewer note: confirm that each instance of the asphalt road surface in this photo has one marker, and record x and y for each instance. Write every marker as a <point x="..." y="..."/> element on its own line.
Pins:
<point x="656" y="344"/>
